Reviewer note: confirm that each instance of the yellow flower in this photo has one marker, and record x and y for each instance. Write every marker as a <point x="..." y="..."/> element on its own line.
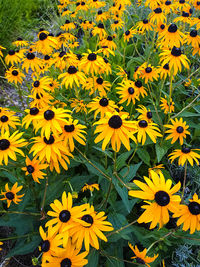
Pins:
<point x="8" y="119"/>
<point x="90" y="187"/>
<point x="165" y="106"/>
<point x="185" y="154"/>
<point x="11" y="194"/>
<point x="14" y="75"/>
<point x="116" y="129"/>
<point x="140" y="256"/>
<point x="127" y="92"/>
<point x="162" y="198"/>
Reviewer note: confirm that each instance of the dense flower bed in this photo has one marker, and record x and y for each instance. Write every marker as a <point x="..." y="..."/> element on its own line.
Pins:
<point x="110" y="112"/>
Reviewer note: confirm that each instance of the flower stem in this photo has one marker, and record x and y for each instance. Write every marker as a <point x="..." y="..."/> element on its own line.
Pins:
<point x="121" y="229"/>
<point x="19" y="212"/>
<point x="43" y="200"/>
<point x="184" y="180"/>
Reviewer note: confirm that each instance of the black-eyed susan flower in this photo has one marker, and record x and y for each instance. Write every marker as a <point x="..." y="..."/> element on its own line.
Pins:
<point x="165" y="105"/>
<point x="129" y="34"/>
<point x="78" y="105"/>
<point x="11" y="194"/>
<point x="40" y="101"/>
<point x="171" y="37"/>
<point x="34" y="167"/>
<point x="193" y="38"/>
<point x="184" y="18"/>
<point x="140" y="256"/>
<point x="181" y="4"/>
<point x="31" y="62"/>
<point x="99" y="30"/>
<point x="72" y="77"/>
<point x="168" y="7"/>
<point x="159" y="198"/>
<point x="88" y="233"/>
<point x="65" y="216"/>
<point x="157" y="16"/>
<point x="164" y="71"/>
<point x="101" y="105"/>
<point x="69" y="257"/>
<point x="145" y="128"/>
<point x="115" y="128"/>
<point x="117" y="24"/>
<point x="101" y="16"/>
<point x="140" y="88"/>
<point x="143" y="26"/>
<point x="92" y="63"/>
<point x="9" y="145"/>
<point x="175" y="59"/>
<point x="108" y="42"/>
<point x="90" y="187"/>
<point x="127" y="92"/>
<point x="185" y="154"/>
<point x="148" y="72"/>
<point x="50" y="245"/>
<point x="50" y="120"/>
<point x="94" y="84"/>
<point x="72" y="130"/>
<point x="7" y="120"/>
<point x="86" y="25"/>
<point x="177" y="130"/>
<point x="189" y="215"/>
<point x="40" y="86"/>
<point x="145" y="114"/>
<point x="46" y="43"/>
<point x="14" y="75"/>
<point x="107" y="70"/>
<point x="20" y="42"/>
<point x="12" y="58"/>
<point x="68" y="25"/>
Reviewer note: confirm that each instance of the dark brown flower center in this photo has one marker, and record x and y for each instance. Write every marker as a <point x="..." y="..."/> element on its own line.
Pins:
<point x="72" y="70"/>
<point x="166" y="66"/>
<point x="4" y="118"/>
<point x="63" y="53"/>
<point x="186" y="150"/>
<point x="149" y="115"/>
<point x="176" y="51"/>
<point x="158" y="10"/>
<point x="127" y="33"/>
<point x="42" y="36"/>
<point x="64" y="216"/>
<point x="11" y="52"/>
<point x="99" y="80"/>
<point x="193" y="33"/>
<point x="88" y="219"/>
<point x="145" y="21"/>
<point x="148" y="69"/>
<point x="34" y="111"/>
<point x="10" y="195"/>
<point x="45" y="246"/>
<point x="30" y="56"/>
<point x="4" y="144"/>
<point x="131" y="90"/>
<point x="115" y="122"/>
<point x="66" y="263"/>
<point x="92" y="57"/>
<point x="30" y="169"/>
<point x="103" y="102"/>
<point x="69" y="128"/>
<point x="15" y="72"/>
<point x="49" y="141"/>
<point x="172" y="28"/>
<point x="194" y="208"/>
<point x="179" y="129"/>
<point x="49" y="115"/>
<point x="162" y="198"/>
<point x="36" y="84"/>
<point x="143" y="124"/>
<point x="101" y="26"/>
<point x="138" y="84"/>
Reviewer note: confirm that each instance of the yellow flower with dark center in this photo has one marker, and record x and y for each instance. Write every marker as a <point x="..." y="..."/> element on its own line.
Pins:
<point x="46" y="43"/>
<point x="73" y="130"/>
<point x="165" y="106"/>
<point x="1" y="48"/>
<point x="101" y="16"/>
<point x="140" y="88"/>
<point x="40" y="86"/>
<point x="40" y="101"/>
<point x="129" y="34"/>
<point x="94" y="84"/>
<point x="70" y="257"/>
<point x="14" y="75"/>
<point x="107" y="68"/>
<point x="50" y="120"/>
<point x="91" y="63"/>
<point x="115" y="128"/>
<point x="117" y="24"/>
<point x="31" y="62"/>
<point x="108" y="42"/>
<point x="79" y="105"/>
<point x="9" y="145"/>
<point x="160" y="28"/>
<point x="65" y="216"/>
<point x="164" y="71"/>
<point x="185" y="154"/>
<point x="82" y="7"/>
<point x="63" y="40"/>
<point x="87" y="25"/>
<point x="153" y="4"/>
<point x="175" y="59"/>
<point x="145" y="128"/>
<point x="171" y="37"/>
<point x="34" y="168"/>
<point x="72" y="77"/>
<point x="50" y="245"/>
<point x="144" y="26"/>
<point x="66" y="12"/>
<point x="60" y="60"/>
<point x="11" y="194"/>
<point x="51" y="151"/>
<point x="181" y="4"/>
<point x="184" y="18"/>
<point x="196" y="4"/>
<point x="96" y="4"/>
<point x="68" y="26"/>
<point x="178" y="130"/>
<point x="90" y="187"/>
<point x="193" y="38"/>
<point x="100" y="31"/>
<point x="140" y="256"/>
<point x="162" y="198"/>
<point x="127" y="92"/>
<point x="88" y="233"/>
<point x="146" y="114"/>
<point x="168" y="7"/>
<point x="189" y="215"/>
<point x="20" y="42"/>
<point x="101" y="105"/>
<point x="12" y="57"/>
<point x="7" y="120"/>
<point x="148" y="72"/>
<point x="157" y="16"/>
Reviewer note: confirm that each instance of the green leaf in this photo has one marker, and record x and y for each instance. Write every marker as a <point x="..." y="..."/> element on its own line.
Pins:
<point x="121" y="160"/>
<point x="143" y="155"/>
<point x="161" y="151"/>
<point x="10" y="176"/>
<point x="93" y="258"/>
